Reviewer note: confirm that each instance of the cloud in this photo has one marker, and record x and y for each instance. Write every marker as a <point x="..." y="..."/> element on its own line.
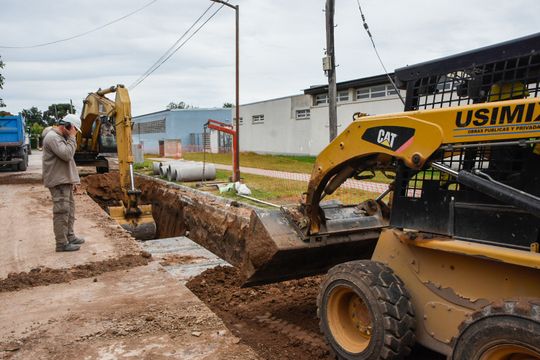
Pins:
<point x="282" y="43"/>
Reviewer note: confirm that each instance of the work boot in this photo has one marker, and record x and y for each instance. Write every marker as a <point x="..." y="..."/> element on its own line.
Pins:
<point x="67" y="247"/>
<point x="76" y="240"/>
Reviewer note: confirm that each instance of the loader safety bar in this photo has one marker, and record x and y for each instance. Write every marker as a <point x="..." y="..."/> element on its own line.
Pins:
<point x="482" y="182"/>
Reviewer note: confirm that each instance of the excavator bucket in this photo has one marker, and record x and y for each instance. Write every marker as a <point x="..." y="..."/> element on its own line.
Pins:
<point x="276" y="251"/>
<point x="142" y="227"/>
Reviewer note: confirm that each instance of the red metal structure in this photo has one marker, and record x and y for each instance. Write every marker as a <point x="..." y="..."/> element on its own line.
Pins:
<point x="228" y="129"/>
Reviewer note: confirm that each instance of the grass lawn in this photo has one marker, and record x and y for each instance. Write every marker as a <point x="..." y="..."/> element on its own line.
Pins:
<point x="297" y="164"/>
<point x="281" y="191"/>
<point x="278" y="191"/>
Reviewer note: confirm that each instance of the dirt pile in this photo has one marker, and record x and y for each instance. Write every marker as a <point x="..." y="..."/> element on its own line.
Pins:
<point x="279" y="321"/>
<point x="22" y="178"/>
<point x="103" y="189"/>
<point x="46" y="276"/>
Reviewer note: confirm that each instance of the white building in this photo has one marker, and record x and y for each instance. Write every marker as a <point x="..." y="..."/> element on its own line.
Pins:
<point x="298" y="124"/>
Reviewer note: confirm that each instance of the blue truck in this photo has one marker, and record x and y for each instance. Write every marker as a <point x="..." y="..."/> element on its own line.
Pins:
<point x="14" y="144"/>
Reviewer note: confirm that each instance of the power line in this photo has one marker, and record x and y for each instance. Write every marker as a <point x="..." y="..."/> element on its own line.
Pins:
<point x="142" y="78"/>
<point x="377" y="53"/>
<point x="81" y="34"/>
<point x="156" y="63"/>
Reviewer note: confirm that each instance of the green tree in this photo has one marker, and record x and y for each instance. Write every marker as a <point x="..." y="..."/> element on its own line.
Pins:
<point x="56" y="112"/>
<point x="33" y="116"/>
<point x="179" y="105"/>
<point x="36" y="129"/>
<point x="227" y="105"/>
<point x="2" y="104"/>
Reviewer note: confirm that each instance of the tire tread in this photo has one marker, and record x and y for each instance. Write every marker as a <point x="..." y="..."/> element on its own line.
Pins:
<point x="393" y="301"/>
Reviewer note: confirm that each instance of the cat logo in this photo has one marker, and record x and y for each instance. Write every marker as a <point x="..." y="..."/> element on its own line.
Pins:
<point x="395" y="138"/>
<point x="386" y="138"/>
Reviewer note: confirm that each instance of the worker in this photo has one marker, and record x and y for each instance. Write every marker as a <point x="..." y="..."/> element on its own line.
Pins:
<point x="60" y="176"/>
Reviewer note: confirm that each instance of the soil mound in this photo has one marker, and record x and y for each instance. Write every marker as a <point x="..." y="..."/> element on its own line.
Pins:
<point x="279" y="321"/>
<point x="46" y="276"/>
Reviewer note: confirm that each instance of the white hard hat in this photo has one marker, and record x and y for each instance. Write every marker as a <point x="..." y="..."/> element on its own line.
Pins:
<point x="73" y="120"/>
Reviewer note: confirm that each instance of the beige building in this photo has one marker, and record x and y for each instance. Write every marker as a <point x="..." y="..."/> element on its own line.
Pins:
<point x="298" y="124"/>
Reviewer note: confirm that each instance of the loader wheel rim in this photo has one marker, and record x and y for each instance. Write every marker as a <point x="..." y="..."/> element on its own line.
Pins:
<point x="349" y="319"/>
<point x="510" y="352"/>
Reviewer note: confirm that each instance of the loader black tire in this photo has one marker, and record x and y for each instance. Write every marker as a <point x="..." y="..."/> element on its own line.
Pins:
<point x="507" y="329"/>
<point x="370" y="291"/>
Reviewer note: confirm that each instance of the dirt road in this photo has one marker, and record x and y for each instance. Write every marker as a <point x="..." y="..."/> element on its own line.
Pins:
<point x="103" y="302"/>
<point x="26" y="210"/>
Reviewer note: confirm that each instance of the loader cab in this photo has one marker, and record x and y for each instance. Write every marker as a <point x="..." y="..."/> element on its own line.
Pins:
<point x="429" y="200"/>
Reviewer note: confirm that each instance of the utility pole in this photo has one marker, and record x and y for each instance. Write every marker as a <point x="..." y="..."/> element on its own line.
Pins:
<point x="71" y="106"/>
<point x="329" y="65"/>
<point x="236" y="151"/>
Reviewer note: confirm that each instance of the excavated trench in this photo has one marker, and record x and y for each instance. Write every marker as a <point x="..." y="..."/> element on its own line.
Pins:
<point x="215" y="223"/>
<point x="279" y="321"/>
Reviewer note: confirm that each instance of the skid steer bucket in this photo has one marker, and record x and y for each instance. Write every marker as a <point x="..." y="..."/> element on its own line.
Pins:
<point x="276" y="251"/>
<point x="142" y="227"/>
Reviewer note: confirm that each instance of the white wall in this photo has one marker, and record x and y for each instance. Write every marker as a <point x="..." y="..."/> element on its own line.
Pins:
<point x="282" y="133"/>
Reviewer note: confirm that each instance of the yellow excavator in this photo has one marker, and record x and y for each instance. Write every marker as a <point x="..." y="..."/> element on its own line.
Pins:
<point x="106" y="128"/>
<point x="448" y="256"/>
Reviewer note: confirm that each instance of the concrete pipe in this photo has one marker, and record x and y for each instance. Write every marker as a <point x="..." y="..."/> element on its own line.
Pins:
<point x="196" y="172"/>
<point x="172" y="171"/>
<point x="155" y="167"/>
<point x="164" y="168"/>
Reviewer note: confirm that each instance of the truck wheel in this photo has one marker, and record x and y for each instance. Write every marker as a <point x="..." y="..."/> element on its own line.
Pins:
<point x="365" y="312"/>
<point x="23" y="164"/>
<point x="505" y="330"/>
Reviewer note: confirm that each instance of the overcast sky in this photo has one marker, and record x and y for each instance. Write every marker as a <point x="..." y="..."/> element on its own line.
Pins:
<point x="281" y="45"/>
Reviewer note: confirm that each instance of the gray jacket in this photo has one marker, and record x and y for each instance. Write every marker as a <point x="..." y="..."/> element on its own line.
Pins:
<point x="58" y="164"/>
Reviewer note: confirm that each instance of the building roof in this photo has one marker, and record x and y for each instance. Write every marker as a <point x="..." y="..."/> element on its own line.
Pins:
<point x="174" y="110"/>
<point x="356" y="83"/>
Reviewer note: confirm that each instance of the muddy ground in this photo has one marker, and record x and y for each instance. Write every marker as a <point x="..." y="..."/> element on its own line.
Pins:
<point x="106" y="301"/>
<point x="126" y="305"/>
<point x="278" y="321"/>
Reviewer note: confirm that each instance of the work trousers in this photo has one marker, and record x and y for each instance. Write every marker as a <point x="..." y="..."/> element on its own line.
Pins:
<point x="63" y="213"/>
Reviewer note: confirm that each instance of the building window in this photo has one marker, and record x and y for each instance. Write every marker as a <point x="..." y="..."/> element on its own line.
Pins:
<point x="342" y="96"/>
<point x="150" y="127"/>
<point x="375" y="92"/>
<point x="362" y="93"/>
<point x="321" y="99"/>
<point x="257" y="119"/>
<point x="241" y="121"/>
<point x="378" y="91"/>
<point x="303" y="114"/>
<point x="390" y="90"/>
